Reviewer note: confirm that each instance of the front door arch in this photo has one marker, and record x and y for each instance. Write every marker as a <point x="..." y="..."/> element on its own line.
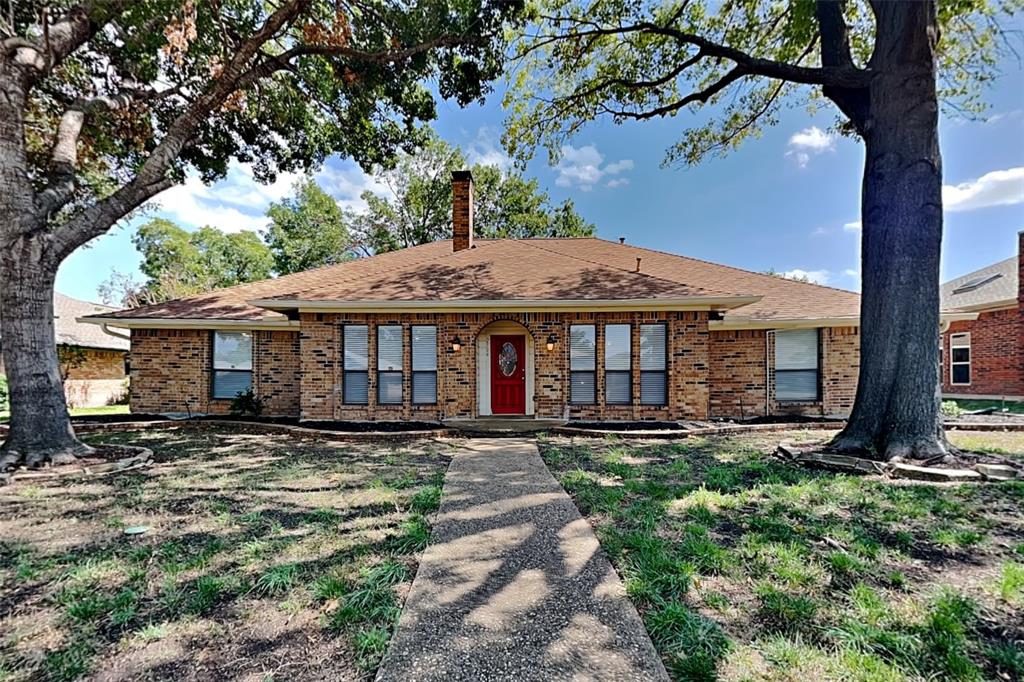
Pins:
<point x="508" y="374"/>
<point x="487" y="357"/>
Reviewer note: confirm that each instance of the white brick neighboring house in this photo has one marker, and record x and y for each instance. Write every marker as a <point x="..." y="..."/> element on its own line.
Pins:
<point x="97" y="373"/>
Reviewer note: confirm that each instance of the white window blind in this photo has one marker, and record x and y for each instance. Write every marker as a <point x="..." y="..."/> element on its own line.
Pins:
<point x="389" y="348"/>
<point x="583" y="347"/>
<point x="389" y="364"/>
<point x="424" y="364"/>
<point x="356" y="347"/>
<point x="653" y="364"/>
<point x="355" y="364"/>
<point x="582" y="363"/>
<point x="796" y="365"/>
<point x="618" y="377"/>
<point x="232" y="364"/>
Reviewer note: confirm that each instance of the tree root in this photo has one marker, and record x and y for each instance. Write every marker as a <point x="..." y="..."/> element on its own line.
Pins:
<point x="931" y="450"/>
<point x="11" y="458"/>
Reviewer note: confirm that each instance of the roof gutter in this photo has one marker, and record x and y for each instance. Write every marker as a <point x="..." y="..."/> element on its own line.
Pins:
<point x="498" y="305"/>
<point x="740" y="322"/>
<point x="171" y="323"/>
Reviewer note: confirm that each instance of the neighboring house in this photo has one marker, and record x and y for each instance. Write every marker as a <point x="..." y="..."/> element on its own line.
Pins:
<point x="559" y="328"/>
<point x="92" y="358"/>
<point x="984" y="358"/>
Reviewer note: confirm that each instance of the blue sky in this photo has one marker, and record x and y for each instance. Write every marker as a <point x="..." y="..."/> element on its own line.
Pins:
<point x="787" y="201"/>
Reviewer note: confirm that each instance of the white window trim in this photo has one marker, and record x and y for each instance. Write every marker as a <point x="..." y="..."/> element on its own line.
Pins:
<point x="970" y="357"/>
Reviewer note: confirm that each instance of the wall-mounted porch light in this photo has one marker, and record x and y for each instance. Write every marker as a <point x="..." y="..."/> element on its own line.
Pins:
<point x="552" y="340"/>
<point x="456" y="344"/>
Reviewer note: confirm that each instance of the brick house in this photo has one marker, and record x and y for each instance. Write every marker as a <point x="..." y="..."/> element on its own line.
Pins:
<point x="462" y="328"/>
<point x="92" y="357"/>
<point x="984" y="357"/>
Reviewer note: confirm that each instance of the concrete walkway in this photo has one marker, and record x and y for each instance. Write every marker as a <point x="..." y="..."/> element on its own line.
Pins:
<point x="514" y="586"/>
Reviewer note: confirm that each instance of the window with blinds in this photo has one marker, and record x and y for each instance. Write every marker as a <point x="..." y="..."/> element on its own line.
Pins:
<point x="796" y="365"/>
<point x="355" y="364"/>
<point x="232" y="364"/>
<point x="389" y="364"/>
<point x="618" y="375"/>
<point x="653" y="364"/>
<point x="424" y="364"/>
<point x="960" y="359"/>
<point x="582" y="364"/>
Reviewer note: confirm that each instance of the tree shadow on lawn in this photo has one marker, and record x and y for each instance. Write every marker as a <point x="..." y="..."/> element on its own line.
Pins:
<point x="253" y="545"/>
<point x="758" y="550"/>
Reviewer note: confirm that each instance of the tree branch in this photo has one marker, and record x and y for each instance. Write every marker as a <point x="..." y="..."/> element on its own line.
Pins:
<point x="841" y="76"/>
<point x="152" y="176"/>
<point x="835" y="53"/>
<point x="60" y="186"/>
<point x="704" y="95"/>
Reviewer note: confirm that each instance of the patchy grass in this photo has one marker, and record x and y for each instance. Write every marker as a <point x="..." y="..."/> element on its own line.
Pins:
<point x="1013" y="406"/>
<point x="264" y="553"/>
<point x="745" y="568"/>
<point x="81" y="411"/>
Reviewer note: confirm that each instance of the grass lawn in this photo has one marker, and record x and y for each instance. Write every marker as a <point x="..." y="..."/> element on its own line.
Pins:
<point x="971" y="405"/>
<point x="266" y="558"/>
<point x="82" y="411"/>
<point x="745" y="568"/>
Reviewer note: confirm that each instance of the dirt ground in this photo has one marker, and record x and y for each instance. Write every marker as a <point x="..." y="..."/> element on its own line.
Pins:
<point x="262" y="557"/>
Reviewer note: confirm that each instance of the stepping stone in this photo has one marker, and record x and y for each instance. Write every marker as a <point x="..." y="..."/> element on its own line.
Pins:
<point x="919" y="473"/>
<point x="997" y="472"/>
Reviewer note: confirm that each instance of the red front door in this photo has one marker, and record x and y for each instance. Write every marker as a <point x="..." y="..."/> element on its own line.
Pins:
<point x="508" y="375"/>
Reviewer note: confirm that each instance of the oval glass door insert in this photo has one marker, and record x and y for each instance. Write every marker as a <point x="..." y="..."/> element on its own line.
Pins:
<point x="508" y="359"/>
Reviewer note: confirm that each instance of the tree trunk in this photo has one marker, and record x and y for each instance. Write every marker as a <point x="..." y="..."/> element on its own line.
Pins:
<point x="896" y="413"/>
<point x="40" y="429"/>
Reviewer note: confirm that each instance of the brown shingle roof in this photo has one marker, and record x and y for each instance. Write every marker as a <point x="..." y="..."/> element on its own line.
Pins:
<point x="71" y="332"/>
<point x="509" y="270"/>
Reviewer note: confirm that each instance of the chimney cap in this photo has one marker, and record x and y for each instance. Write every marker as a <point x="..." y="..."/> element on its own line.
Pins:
<point x="622" y="240"/>
<point x="464" y="174"/>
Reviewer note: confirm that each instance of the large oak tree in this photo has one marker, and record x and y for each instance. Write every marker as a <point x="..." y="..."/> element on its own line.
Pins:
<point x="884" y="65"/>
<point x="106" y="103"/>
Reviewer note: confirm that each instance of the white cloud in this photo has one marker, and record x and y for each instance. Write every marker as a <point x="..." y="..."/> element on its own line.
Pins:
<point x="850" y="272"/>
<point x="194" y="204"/>
<point x="852" y="226"/>
<point x="617" y="182"/>
<point x="347" y="182"/>
<point x="998" y="188"/>
<point x="486" y="151"/>
<point x="816" y="276"/>
<point x="1012" y="115"/>
<point x="808" y="142"/>
<point x="584" y="167"/>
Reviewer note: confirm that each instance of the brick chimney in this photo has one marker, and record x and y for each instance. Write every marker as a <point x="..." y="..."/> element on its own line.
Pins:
<point x="462" y="210"/>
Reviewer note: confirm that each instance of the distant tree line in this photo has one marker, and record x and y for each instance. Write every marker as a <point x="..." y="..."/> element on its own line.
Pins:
<point x="309" y="229"/>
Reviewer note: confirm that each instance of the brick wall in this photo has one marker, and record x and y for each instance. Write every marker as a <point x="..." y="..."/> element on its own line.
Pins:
<point x="99" y="364"/>
<point x="997" y="354"/>
<point x="709" y="374"/>
<point x="997" y="347"/>
<point x="737" y="378"/>
<point x="738" y="375"/>
<point x="170" y="371"/>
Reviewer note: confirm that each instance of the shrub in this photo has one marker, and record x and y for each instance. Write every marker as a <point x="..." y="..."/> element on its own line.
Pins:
<point x="950" y="408"/>
<point x="121" y="397"/>
<point x="4" y="393"/>
<point x="247" y="402"/>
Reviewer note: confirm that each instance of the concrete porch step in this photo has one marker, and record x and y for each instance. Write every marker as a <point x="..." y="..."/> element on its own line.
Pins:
<point x="503" y="425"/>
